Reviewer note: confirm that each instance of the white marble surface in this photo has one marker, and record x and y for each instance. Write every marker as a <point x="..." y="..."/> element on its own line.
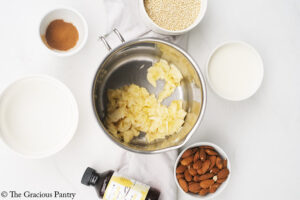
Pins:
<point x="261" y="135"/>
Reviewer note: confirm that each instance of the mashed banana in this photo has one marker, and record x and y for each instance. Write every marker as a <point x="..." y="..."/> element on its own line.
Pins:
<point x="131" y="109"/>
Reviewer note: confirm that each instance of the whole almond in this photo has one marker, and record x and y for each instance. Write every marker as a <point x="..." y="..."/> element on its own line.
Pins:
<point x="206" y="183"/>
<point x="178" y="176"/>
<point x="188" y="177"/>
<point x="187" y="153"/>
<point x="196" y="178"/>
<point x="211" y="152"/>
<point x="206" y="176"/>
<point x="187" y="161"/>
<point x="214" y="170"/>
<point x="203" y="192"/>
<point x="196" y="156"/>
<point x="221" y="180"/>
<point x="192" y="171"/>
<point x="183" y="184"/>
<point x="197" y="164"/>
<point x="202" y="154"/>
<point x="212" y="161"/>
<point x="199" y="171"/>
<point x="205" y="166"/>
<point x="214" y="187"/>
<point x="194" y="187"/>
<point x="223" y="173"/>
<point x="180" y="169"/>
<point x="219" y="163"/>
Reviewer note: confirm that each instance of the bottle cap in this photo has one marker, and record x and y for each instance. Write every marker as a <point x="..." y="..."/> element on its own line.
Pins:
<point x="88" y="174"/>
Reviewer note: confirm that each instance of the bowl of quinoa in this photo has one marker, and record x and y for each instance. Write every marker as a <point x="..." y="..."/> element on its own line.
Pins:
<point x="172" y="17"/>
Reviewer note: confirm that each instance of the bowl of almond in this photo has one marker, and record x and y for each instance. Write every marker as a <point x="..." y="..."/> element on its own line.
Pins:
<point x="202" y="170"/>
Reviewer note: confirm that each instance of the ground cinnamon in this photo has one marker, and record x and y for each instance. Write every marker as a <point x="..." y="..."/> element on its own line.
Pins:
<point x="61" y="35"/>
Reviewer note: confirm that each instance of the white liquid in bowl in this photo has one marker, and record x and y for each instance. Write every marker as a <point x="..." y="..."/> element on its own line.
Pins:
<point x="235" y="71"/>
<point x="38" y="116"/>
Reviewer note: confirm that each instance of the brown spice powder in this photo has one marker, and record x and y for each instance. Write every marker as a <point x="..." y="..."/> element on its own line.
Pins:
<point x="61" y="35"/>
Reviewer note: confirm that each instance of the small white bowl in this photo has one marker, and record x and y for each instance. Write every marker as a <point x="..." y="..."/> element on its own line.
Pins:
<point x="253" y="77"/>
<point x="153" y="26"/>
<point x="68" y="15"/>
<point x="222" y="186"/>
<point x="38" y="116"/>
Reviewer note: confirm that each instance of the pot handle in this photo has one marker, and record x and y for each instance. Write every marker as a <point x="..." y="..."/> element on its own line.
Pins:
<point x="103" y="38"/>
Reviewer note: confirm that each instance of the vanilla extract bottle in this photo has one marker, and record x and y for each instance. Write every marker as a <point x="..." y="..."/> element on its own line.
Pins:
<point x="111" y="185"/>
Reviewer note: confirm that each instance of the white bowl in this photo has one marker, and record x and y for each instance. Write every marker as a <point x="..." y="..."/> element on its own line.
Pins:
<point x="255" y="77"/>
<point x="38" y="116"/>
<point x="153" y="26"/>
<point x="68" y="15"/>
<point x="222" y="186"/>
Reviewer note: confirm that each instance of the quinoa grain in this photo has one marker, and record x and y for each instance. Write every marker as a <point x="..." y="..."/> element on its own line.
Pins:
<point x="173" y="15"/>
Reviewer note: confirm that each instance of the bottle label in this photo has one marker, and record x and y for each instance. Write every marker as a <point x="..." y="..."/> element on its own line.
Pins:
<point x="123" y="188"/>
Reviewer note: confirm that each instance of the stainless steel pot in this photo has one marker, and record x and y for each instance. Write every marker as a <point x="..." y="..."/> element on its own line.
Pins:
<point x="128" y="63"/>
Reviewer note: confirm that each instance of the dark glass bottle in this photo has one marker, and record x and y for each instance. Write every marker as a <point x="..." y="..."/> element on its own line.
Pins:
<point x="101" y="180"/>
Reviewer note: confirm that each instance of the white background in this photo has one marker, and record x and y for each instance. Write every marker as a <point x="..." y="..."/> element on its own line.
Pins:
<point x="261" y="135"/>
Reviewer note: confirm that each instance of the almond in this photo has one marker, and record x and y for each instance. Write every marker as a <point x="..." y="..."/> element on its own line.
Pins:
<point x="194" y="187"/>
<point x="206" y="183"/>
<point x="188" y="177"/>
<point x="214" y="170"/>
<point x="187" y="161"/>
<point x="205" y="166"/>
<point x="197" y="165"/>
<point x="206" y="176"/>
<point x="219" y="163"/>
<point x="180" y="169"/>
<point x="196" y="156"/>
<point x="199" y="171"/>
<point x="221" y="180"/>
<point x="183" y="184"/>
<point x="202" y="154"/>
<point x="192" y="171"/>
<point x="203" y="192"/>
<point x="196" y="178"/>
<point x="214" y="187"/>
<point x="178" y="176"/>
<point x="211" y="152"/>
<point x="223" y="173"/>
<point x="212" y="161"/>
<point x="187" y="153"/>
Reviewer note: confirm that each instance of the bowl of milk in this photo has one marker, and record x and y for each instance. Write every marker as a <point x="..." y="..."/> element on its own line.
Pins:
<point x="38" y="116"/>
<point x="235" y="70"/>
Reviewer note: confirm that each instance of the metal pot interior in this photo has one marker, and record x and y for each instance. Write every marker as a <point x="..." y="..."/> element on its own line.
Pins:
<point x="128" y="64"/>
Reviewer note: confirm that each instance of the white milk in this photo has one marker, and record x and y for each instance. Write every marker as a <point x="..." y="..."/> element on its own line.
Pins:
<point x="38" y="116"/>
<point x="235" y="71"/>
